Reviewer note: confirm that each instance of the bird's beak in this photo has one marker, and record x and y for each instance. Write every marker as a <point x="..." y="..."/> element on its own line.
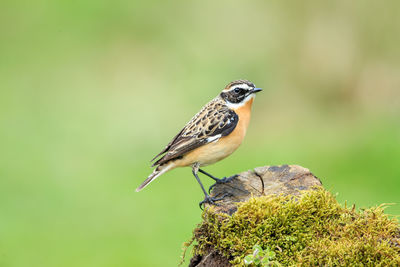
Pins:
<point x="256" y="90"/>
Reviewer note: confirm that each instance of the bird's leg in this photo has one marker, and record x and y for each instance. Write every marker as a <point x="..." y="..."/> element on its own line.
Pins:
<point x="218" y="181"/>
<point x="207" y="198"/>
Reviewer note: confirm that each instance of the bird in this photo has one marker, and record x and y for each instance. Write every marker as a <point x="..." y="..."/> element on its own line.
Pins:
<point x="213" y="134"/>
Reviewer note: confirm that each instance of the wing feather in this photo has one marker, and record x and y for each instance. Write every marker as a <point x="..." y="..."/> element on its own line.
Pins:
<point x="211" y="121"/>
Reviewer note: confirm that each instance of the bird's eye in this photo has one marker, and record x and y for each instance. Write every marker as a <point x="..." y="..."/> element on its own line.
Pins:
<point x="237" y="90"/>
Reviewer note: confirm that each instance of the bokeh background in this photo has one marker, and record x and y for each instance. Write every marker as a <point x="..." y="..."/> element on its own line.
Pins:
<point x="90" y="91"/>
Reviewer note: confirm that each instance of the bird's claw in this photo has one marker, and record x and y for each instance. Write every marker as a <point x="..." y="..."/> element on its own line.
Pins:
<point x="222" y="181"/>
<point x="211" y="200"/>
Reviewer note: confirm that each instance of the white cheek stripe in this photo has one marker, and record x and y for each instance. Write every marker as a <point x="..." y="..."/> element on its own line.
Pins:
<point x="241" y="104"/>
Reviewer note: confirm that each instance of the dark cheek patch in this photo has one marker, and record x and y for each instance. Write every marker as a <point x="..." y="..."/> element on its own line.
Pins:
<point x="223" y="95"/>
<point x="231" y="97"/>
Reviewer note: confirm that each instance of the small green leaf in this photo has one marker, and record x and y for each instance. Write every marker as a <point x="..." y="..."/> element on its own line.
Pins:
<point x="248" y="259"/>
<point x="270" y="254"/>
<point x="257" y="247"/>
<point x="265" y="261"/>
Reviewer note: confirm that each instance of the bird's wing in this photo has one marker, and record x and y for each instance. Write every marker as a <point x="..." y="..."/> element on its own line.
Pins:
<point x="207" y="126"/>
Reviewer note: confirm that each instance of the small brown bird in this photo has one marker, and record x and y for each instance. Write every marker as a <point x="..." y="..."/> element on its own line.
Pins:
<point x="214" y="133"/>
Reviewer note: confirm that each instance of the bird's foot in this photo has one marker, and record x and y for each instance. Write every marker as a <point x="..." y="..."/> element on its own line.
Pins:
<point x="222" y="181"/>
<point x="211" y="200"/>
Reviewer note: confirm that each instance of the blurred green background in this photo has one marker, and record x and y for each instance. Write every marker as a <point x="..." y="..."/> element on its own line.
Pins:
<point x="90" y="91"/>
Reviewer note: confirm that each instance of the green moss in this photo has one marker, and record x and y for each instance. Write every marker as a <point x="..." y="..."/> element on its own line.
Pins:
<point x="312" y="230"/>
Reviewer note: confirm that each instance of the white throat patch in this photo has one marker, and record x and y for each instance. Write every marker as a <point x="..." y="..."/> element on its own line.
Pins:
<point x="241" y="104"/>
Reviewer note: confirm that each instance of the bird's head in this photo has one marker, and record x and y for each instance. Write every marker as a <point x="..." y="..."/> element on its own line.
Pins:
<point x="238" y="92"/>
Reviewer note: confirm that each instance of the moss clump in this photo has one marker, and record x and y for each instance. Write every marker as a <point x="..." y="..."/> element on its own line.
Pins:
<point x="310" y="230"/>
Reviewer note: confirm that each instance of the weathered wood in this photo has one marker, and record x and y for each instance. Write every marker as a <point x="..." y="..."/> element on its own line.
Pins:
<point x="267" y="180"/>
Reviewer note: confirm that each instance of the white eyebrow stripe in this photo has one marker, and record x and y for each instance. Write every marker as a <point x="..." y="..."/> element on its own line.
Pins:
<point x="242" y="85"/>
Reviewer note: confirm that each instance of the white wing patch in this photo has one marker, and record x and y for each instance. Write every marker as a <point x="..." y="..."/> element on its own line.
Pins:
<point x="213" y="138"/>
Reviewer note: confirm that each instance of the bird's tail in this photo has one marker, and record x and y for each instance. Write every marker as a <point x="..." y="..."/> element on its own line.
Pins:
<point x="157" y="172"/>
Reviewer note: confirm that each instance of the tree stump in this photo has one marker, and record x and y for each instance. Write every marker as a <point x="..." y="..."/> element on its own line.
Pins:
<point x="267" y="180"/>
<point x="287" y="226"/>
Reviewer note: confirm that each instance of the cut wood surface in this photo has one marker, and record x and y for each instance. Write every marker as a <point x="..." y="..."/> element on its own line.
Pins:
<point x="267" y="180"/>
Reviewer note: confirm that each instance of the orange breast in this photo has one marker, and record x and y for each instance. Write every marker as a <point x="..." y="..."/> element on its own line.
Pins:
<point x="213" y="152"/>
